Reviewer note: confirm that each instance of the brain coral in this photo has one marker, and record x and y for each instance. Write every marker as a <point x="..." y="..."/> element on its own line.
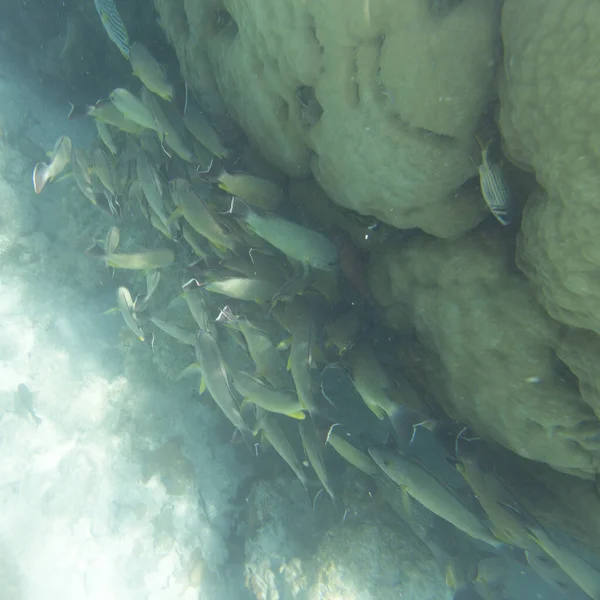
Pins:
<point x="494" y="344"/>
<point x="379" y="99"/>
<point x="550" y="117"/>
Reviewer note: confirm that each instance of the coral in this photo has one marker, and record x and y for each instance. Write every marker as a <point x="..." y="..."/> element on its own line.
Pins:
<point x="494" y="345"/>
<point x="548" y="118"/>
<point x="399" y="87"/>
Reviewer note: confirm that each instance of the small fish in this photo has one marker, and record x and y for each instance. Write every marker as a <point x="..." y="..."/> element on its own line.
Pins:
<point x="363" y="462"/>
<point x="494" y="187"/>
<point x="105" y="172"/>
<point x="258" y="192"/>
<point x="152" y="281"/>
<point x="244" y="288"/>
<point x="185" y="336"/>
<point x="278" y="439"/>
<point x="549" y="570"/>
<point x="152" y="186"/>
<point x="61" y="156"/>
<point x="343" y="330"/>
<point x="312" y="448"/>
<point x="113" y="237"/>
<point x="106" y="136"/>
<point x="25" y="399"/>
<point x="196" y="241"/>
<point x="150" y="72"/>
<point x="268" y="398"/>
<point x="113" y="25"/>
<point x="197" y="124"/>
<point x="144" y="261"/>
<point x="586" y="576"/>
<point x="82" y="174"/>
<point x="308" y="247"/>
<point x="427" y="490"/>
<point x="196" y="212"/>
<point x="215" y="377"/>
<point x="133" y="108"/>
<point x="125" y="305"/>
<point x="105" y="112"/>
<point x="197" y="303"/>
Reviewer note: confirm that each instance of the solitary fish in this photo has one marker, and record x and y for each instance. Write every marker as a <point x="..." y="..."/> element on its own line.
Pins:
<point x="25" y="399"/>
<point x="426" y="489"/>
<point x="61" y="155"/>
<point x="133" y="108"/>
<point x="151" y="73"/>
<point x="127" y="308"/>
<point x="309" y="247"/>
<point x="113" y="25"/>
<point x="494" y="187"/>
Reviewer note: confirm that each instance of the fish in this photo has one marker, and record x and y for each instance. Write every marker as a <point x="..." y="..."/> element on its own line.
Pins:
<point x="195" y="241"/>
<point x="312" y="449"/>
<point x="196" y="212"/>
<point x="308" y="247"/>
<point x="105" y="112"/>
<point x="343" y="330"/>
<point x="197" y="124"/>
<point x="150" y="259"/>
<point x="150" y="72"/>
<point x="363" y="462"/>
<point x="25" y="399"/>
<point x="152" y="186"/>
<point x="258" y="192"/>
<point x="185" y="336"/>
<point x="585" y="575"/>
<point x="113" y="25"/>
<point x="113" y="237"/>
<point x="300" y="324"/>
<point x="244" y="288"/>
<point x="549" y="570"/>
<point x="494" y="187"/>
<point x="126" y="306"/>
<point x="427" y="490"/>
<point x="133" y="108"/>
<point x="268" y="424"/>
<point x="214" y="375"/>
<point x="106" y="136"/>
<point x="61" y="156"/>
<point x="195" y="298"/>
<point x="152" y="281"/>
<point x="269" y="363"/>
<point x="268" y="398"/>
<point x="82" y="174"/>
<point x="167" y="133"/>
<point x="105" y="172"/>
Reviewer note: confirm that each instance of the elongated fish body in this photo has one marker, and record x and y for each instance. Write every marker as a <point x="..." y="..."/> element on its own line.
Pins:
<point x="148" y="70"/>
<point x="256" y="191"/>
<point x="244" y="288"/>
<point x="113" y="25"/>
<point x="133" y="108"/>
<point x="586" y="576"/>
<point x="273" y="432"/>
<point x="195" y="211"/>
<point x="198" y="306"/>
<point x="104" y="171"/>
<point x="269" y="399"/>
<point x="269" y="363"/>
<point x="185" y="336"/>
<point x="215" y="377"/>
<point x="427" y="490"/>
<point x="494" y="188"/>
<point x="106" y="136"/>
<point x="304" y="245"/>
<point x="126" y="307"/>
<point x="151" y="185"/>
<point x="152" y="259"/>
<point x="197" y="124"/>
<point x="363" y="462"/>
<point x="105" y="112"/>
<point x="43" y="173"/>
<point x="313" y="452"/>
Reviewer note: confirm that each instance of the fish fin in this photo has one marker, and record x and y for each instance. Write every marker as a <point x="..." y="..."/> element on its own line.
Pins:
<point x="189" y="370"/>
<point x="289" y="363"/>
<point x="202" y="386"/>
<point x="40" y="177"/>
<point x="300" y="415"/>
<point x="79" y="110"/>
<point x="174" y="215"/>
<point x="285" y="344"/>
<point x="224" y="187"/>
<point x="112" y="311"/>
<point x="376" y="410"/>
<point x="238" y="208"/>
<point x="406" y="502"/>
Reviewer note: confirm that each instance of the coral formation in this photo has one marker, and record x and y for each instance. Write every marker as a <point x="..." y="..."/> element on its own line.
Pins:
<point x="495" y="346"/>
<point x="399" y="87"/>
<point x="548" y="117"/>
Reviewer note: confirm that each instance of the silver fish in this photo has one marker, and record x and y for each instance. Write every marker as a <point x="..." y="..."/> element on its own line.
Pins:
<point x="494" y="188"/>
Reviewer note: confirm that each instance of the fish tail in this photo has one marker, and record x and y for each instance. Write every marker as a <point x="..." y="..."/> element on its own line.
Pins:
<point x="238" y="208"/>
<point x="78" y="110"/>
<point x="40" y="176"/>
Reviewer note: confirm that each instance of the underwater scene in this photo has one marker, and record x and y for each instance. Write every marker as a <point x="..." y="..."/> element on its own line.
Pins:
<point x="299" y="300"/>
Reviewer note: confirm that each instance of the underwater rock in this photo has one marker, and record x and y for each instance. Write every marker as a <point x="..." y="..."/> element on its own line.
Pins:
<point x="495" y="347"/>
<point x="400" y="87"/>
<point x="548" y="118"/>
